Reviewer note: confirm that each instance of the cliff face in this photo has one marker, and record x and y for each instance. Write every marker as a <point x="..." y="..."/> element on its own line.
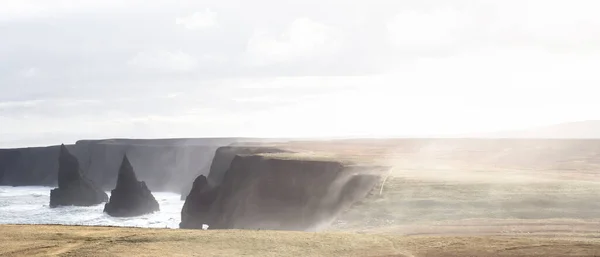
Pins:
<point x="225" y="155"/>
<point x="130" y="196"/>
<point x="199" y="200"/>
<point x="259" y="192"/>
<point x="30" y="166"/>
<point x="222" y="160"/>
<point x="8" y="163"/>
<point x="73" y="188"/>
<point x="165" y="164"/>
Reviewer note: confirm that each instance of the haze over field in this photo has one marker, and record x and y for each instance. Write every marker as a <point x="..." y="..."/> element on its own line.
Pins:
<point x="105" y="68"/>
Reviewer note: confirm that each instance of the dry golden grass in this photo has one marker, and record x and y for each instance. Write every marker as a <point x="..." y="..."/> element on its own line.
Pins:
<point x="524" y="185"/>
<point x="50" y="240"/>
<point x="558" y="157"/>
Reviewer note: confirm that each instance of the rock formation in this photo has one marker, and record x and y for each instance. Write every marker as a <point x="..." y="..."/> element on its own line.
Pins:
<point x="223" y="156"/>
<point x="163" y="167"/>
<point x="164" y="164"/>
<point x="73" y="189"/>
<point x="32" y="166"/>
<point x="130" y="197"/>
<point x="266" y="192"/>
<point x="199" y="200"/>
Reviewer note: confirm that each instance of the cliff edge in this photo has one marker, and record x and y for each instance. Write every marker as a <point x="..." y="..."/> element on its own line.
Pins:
<point x="266" y="191"/>
<point x="222" y="160"/>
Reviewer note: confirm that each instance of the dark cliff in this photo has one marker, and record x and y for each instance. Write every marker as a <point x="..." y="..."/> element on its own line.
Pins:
<point x="225" y="155"/>
<point x="215" y="170"/>
<point x="165" y="164"/>
<point x="34" y="166"/>
<point x="263" y="192"/>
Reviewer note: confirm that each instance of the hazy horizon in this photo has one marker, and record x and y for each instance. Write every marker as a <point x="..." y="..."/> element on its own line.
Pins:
<point x="162" y="69"/>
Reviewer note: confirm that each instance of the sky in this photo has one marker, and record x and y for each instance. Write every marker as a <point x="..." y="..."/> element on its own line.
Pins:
<point x="73" y="69"/>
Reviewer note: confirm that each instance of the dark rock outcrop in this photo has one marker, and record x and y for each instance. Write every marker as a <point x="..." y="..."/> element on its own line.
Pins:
<point x="262" y="192"/>
<point x="130" y="197"/>
<point x="200" y="198"/>
<point x="223" y="156"/>
<point x="73" y="188"/>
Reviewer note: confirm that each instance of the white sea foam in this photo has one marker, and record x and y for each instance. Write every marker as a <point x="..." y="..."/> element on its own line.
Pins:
<point x="29" y="205"/>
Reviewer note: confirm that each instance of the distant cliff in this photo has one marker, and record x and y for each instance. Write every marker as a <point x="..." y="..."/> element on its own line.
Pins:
<point x="31" y="166"/>
<point x="164" y="164"/>
<point x="162" y="167"/>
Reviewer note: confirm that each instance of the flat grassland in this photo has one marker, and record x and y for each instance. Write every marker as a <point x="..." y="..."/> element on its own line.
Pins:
<point x="51" y="240"/>
<point x="473" y="186"/>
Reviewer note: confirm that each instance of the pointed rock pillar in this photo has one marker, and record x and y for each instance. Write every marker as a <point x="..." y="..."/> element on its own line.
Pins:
<point x="130" y="197"/>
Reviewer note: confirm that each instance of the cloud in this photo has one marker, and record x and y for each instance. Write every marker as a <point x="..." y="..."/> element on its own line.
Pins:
<point x="31" y="9"/>
<point x="436" y="66"/>
<point x="163" y="61"/>
<point x="198" y="20"/>
<point x="28" y="73"/>
<point x="303" y="39"/>
<point x="414" y="28"/>
<point x="10" y="10"/>
<point x="19" y="104"/>
<point x="572" y="25"/>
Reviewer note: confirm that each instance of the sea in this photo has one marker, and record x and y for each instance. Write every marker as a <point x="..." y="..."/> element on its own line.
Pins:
<point x="30" y="205"/>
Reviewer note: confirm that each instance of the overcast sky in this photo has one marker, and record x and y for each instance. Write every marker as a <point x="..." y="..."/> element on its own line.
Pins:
<point x="72" y="69"/>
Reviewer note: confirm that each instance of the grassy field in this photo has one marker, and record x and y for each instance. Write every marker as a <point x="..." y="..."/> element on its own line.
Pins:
<point x="425" y="205"/>
<point x="49" y="240"/>
<point x="472" y="186"/>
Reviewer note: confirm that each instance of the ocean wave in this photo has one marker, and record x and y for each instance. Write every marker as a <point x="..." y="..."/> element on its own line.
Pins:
<point x="29" y="205"/>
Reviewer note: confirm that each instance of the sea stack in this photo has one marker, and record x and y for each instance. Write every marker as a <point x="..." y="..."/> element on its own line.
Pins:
<point x="73" y="188"/>
<point x="130" y="197"/>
